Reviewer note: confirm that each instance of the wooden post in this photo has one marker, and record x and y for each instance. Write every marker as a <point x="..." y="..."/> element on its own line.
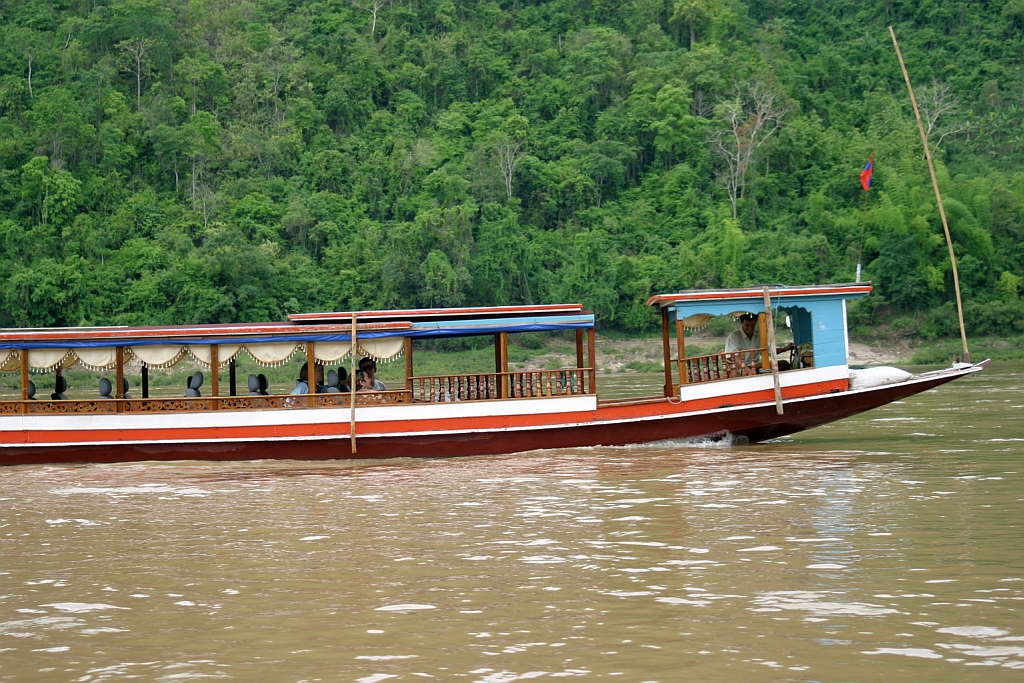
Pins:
<point x="497" y="362"/>
<point x="501" y="363"/>
<point x="681" y="349"/>
<point x="593" y="360"/>
<point x="215" y="373"/>
<point x="145" y="381"/>
<point x="311" y="374"/>
<point x="667" y="349"/>
<point x="770" y="319"/>
<point x="938" y="197"/>
<point x="408" y="364"/>
<point x="24" y="380"/>
<point x="232" y="385"/>
<point x="119" y="377"/>
<point x="762" y="325"/>
<point x="579" y="361"/>
<point x="352" y="390"/>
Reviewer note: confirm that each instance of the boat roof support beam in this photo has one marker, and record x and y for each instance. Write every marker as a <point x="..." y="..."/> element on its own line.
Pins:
<point x="667" y="351"/>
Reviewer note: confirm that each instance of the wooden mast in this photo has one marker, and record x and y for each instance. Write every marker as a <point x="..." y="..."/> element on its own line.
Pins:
<point x="938" y="197"/>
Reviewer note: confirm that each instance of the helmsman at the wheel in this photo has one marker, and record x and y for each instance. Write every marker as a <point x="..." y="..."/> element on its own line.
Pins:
<point x="747" y="339"/>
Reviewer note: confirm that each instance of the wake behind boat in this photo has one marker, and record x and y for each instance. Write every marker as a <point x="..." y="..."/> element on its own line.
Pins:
<point x="746" y="392"/>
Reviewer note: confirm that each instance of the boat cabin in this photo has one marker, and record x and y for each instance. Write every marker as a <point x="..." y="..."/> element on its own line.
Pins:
<point x="815" y="314"/>
<point x="323" y="338"/>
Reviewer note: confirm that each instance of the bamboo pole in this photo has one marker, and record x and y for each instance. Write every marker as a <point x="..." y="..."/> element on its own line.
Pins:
<point x="938" y="197"/>
<point x="352" y="390"/>
<point x="769" y="321"/>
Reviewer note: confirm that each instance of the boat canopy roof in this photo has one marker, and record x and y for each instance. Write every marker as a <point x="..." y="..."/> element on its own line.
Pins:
<point x="379" y="334"/>
<point x="737" y="301"/>
<point x="415" y="315"/>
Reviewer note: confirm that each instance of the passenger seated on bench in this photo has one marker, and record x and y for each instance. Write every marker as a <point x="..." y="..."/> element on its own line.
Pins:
<point x="258" y="385"/>
<point x="59" y="387"/>
<point x="302" y="383"/>
<point x="194" y="382"/>
<point x="334" y="382"/>
<point x="31" y="390"/>
<point x="364" y="381"/>
<point x="369" y="366"/>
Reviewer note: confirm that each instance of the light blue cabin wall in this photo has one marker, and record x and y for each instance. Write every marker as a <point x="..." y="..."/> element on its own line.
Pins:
<point x="800" y="319"/>
<point x="829" y="334"/>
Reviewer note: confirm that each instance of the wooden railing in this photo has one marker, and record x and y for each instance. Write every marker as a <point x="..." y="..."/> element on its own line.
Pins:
<point x="192" y="405"/>
<point x="719" y="366"/>
<point x="494" y="385"/>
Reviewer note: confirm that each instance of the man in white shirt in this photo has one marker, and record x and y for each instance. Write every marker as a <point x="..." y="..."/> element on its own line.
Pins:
<point x="744" y="339"/>
<point x="369" y="366"/>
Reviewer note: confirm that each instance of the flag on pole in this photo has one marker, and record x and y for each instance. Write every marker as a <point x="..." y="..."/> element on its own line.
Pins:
<point x="865" y="175"/>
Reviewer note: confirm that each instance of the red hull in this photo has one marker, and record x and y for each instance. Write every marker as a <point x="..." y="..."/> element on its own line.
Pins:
<point x="611" y="425"/>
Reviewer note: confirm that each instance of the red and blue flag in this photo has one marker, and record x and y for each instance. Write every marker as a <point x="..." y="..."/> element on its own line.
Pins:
<point x="865" y="175"/>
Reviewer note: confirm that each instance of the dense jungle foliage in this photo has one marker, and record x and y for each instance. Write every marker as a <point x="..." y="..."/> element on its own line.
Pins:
<point x="186" y="161"/>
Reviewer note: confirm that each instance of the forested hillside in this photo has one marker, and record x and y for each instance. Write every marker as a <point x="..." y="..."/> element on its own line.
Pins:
<point x="173" y="161"/>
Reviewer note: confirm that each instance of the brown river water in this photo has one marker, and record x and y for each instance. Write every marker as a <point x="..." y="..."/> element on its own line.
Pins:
<point x="887" y="547"/>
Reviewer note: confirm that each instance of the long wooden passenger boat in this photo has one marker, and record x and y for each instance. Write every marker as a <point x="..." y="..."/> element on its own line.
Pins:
<point x="739" y="394"/>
